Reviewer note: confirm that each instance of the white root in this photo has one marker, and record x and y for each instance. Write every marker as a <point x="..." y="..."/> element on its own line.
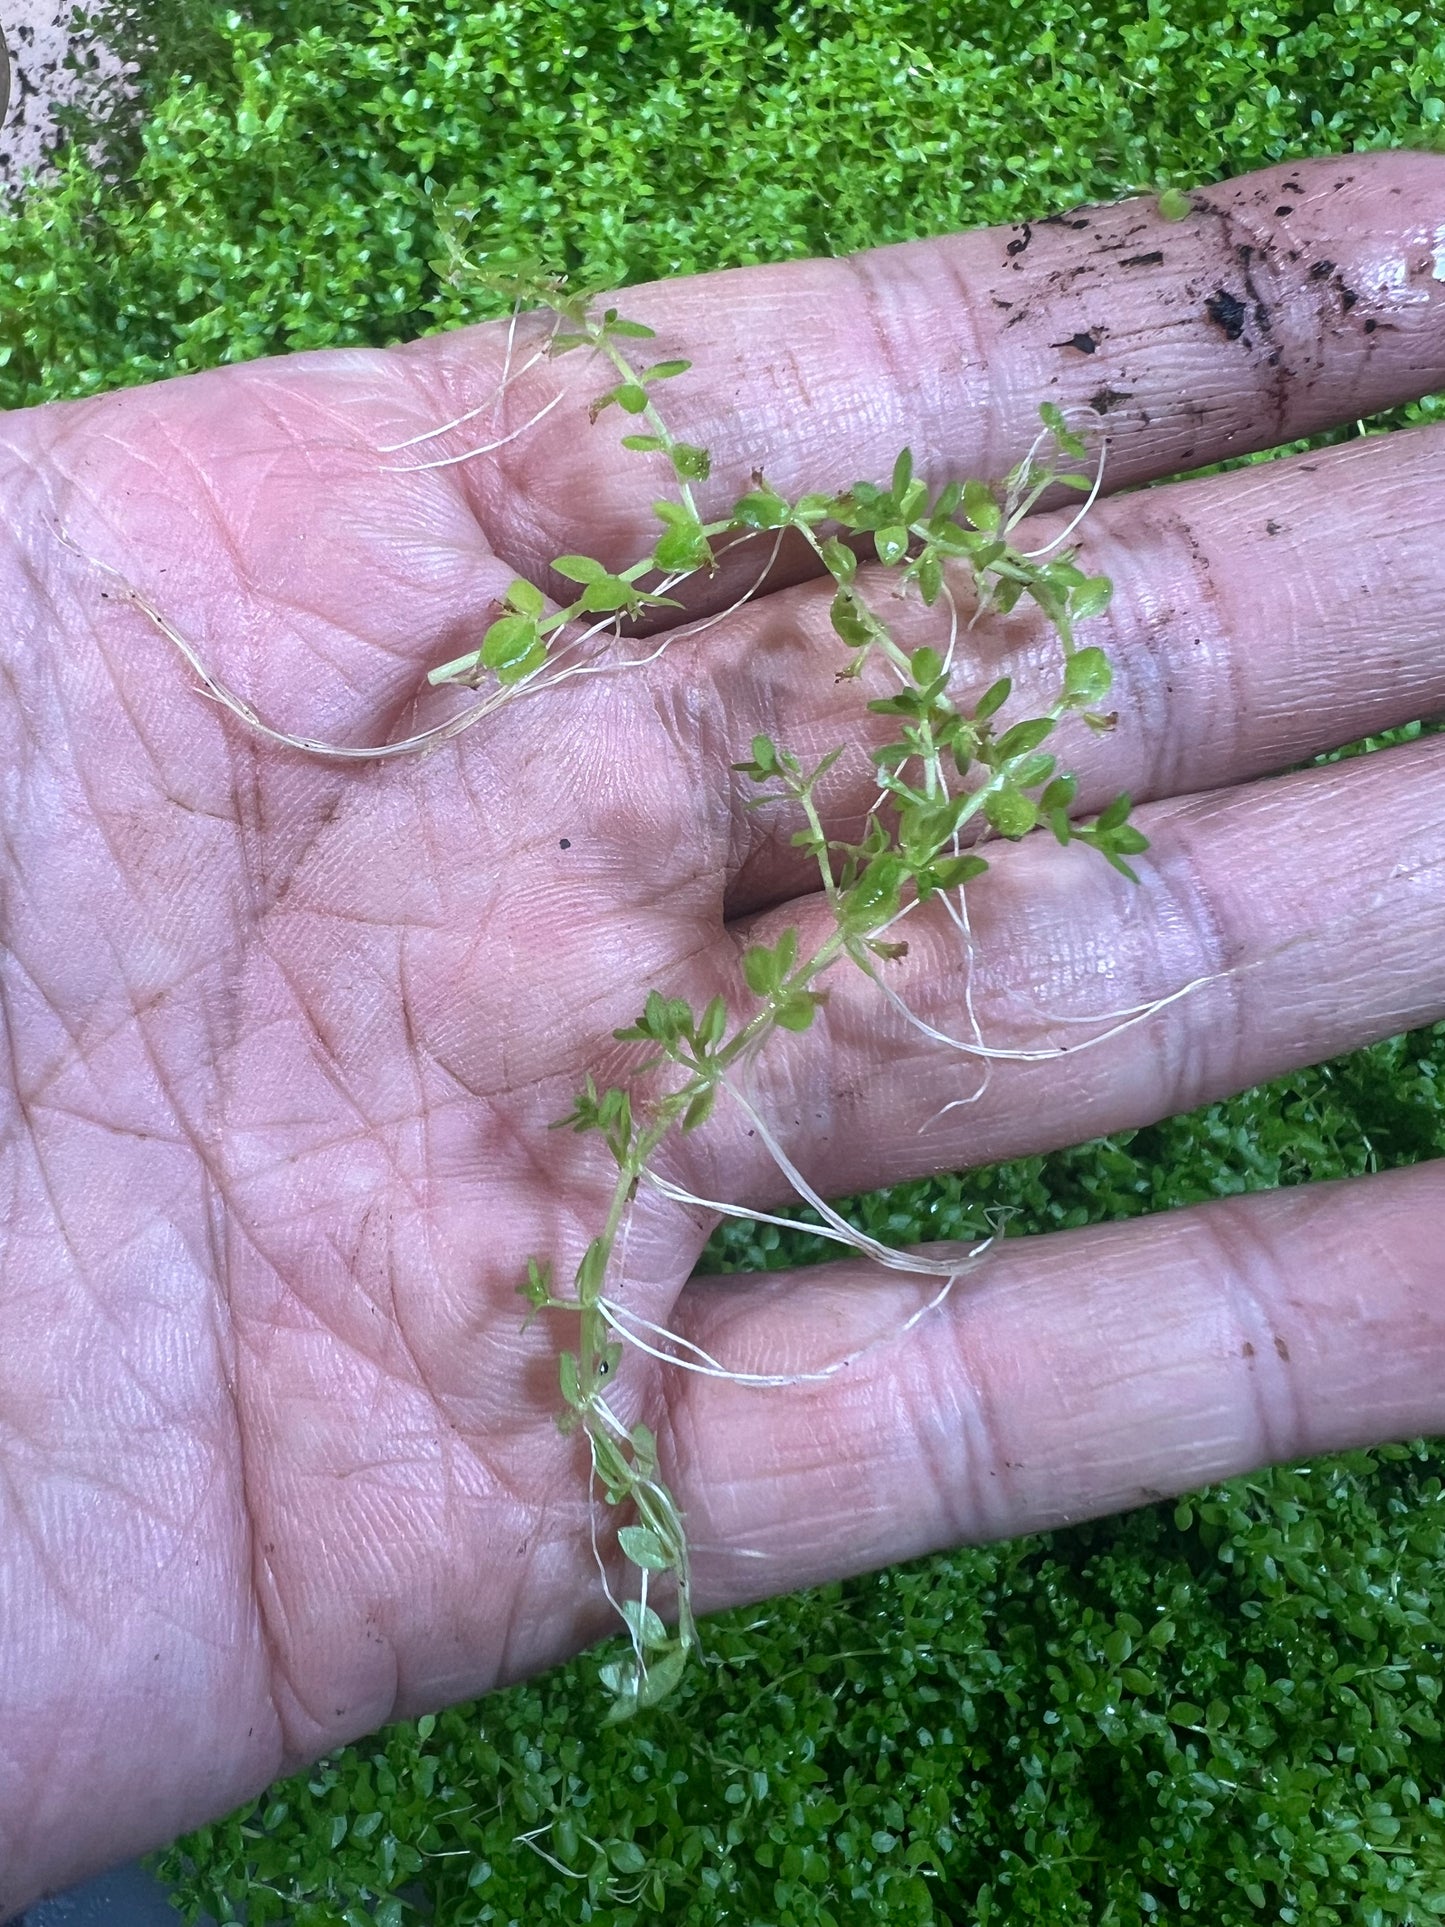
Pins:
<point x="1068" y="529"/>
<point x="503" y="384"/>
<point x="1134" y="1014"/>
<point x="626" y="1324"/>
<point x="470" y="454"/>
<point x="556" y="670"/>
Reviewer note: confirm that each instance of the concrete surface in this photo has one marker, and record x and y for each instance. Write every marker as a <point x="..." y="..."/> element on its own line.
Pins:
<point x="45" y="51"/>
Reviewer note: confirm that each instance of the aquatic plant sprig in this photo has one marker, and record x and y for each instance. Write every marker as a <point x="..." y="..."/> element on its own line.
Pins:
<point x="950" y="775"/>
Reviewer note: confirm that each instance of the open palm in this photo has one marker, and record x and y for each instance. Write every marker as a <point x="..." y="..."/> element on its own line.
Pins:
<point x="284" y="1034"/>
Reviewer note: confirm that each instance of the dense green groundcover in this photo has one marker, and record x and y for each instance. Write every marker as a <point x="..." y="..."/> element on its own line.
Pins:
<point x="1226" y="1709"/>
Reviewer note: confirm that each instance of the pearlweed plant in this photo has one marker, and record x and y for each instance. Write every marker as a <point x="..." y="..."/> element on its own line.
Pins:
<point x="951" y="776"/>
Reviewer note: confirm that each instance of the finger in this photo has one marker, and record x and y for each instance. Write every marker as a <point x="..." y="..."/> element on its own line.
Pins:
<point x="1284" y="302"/>
<point x="1258" y="618"/>
<point x="1065" y="1377"/>
<point x="1287" y="921"/>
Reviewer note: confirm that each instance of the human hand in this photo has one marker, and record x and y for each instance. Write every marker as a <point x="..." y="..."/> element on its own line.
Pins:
<point x="285" y="1034"/>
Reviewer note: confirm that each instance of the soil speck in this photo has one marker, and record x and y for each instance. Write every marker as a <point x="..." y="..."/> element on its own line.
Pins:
<point x="1227" y="312"/>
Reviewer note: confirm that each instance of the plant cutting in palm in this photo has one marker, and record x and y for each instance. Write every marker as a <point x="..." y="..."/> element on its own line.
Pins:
<point x="949" y="776"/>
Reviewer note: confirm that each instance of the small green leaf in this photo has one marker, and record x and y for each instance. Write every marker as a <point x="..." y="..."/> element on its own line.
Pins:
<point x="1174" y="204"/>
<point x="614" y="324"/>
<point x="1003" y="596"/>
<point x="537" y="1286"/>
<point x="873" y="899"/>
<point x="616" y="1474"/>
<point x="643" y="444"/>
<point x="644" y="1548"/>
<point x="765" y="755"/>
<point x="700" y="1109"/>
<point x="512" y="648"/>
<point x="925" y="666"/>
<point x="592" y="1270"/>
<point x="1127" y="841"/>
<point x="763" y="508"/>
<point x="619" y="1678"/>
<point x="911" y="503"/>
<point x="797" y="1012"/>
<point x="1052" y="418"/>
<point x="683" y="547"/>
<point x="645" y="1626"/>
<point x="1034" y="770"/>
<point x="525" y="598"/>
<point x="712" y="1027"/>
<point x="1087" y="678"/>
<point x="993" y="699"/>
<point x="633" y="1694"/>
<point x="690" y="464"/>
<point x="1023" y="737"/>
<point x="1010" y="812"/>
<point x="980" y="507"/>
<point x="630" y="397"/>
<point x="565" y="1837"/>
<point x="839" y="560"/>
<point x="605" y="594"/>
<point x="954" y="870"/>
<point x="930" y="577"/>
<point x="891" y="544"/>
<point x="1091" y="598"/>
<point x="758" y="968"/>
<point x="578" y="568"/>
<point x="665" y="370"/>
<point x="644" y="1447"/>
<point x="567" y="1373"/>
<point x="1114" y="813"/>
<point x="853" y="620"/>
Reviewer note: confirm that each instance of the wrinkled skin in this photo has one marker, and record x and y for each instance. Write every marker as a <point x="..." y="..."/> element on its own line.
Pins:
<point x="282" y="1035"/>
